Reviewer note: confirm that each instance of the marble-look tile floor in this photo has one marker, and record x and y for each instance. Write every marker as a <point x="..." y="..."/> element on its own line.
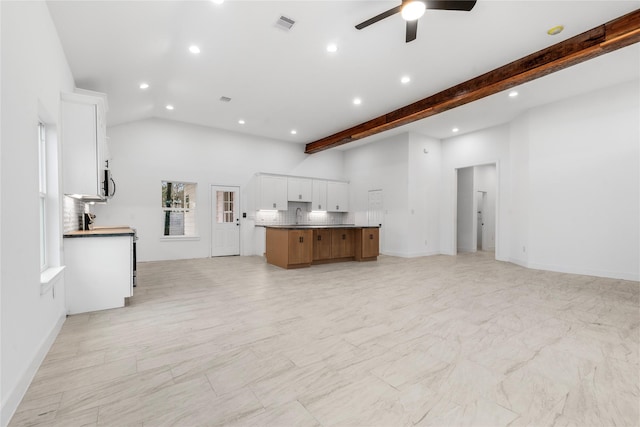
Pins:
<point x="435" y="341"/>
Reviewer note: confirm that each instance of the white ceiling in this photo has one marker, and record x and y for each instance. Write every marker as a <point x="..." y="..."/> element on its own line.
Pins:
<point x="280" y="80"/>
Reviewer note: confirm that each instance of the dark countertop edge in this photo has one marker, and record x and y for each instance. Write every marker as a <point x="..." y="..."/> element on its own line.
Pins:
<point x="311" y="227"/>
<point x="73" y="236"/>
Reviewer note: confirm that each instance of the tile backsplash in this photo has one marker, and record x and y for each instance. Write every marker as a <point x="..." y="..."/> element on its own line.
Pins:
<point x="293" y="216"/>
<point x="73" y="210"/>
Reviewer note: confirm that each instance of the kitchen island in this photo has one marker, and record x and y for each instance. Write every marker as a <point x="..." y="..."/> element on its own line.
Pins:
<point x="296" y="246"/>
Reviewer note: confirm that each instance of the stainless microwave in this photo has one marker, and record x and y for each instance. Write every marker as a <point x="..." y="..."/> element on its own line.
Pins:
<point x="108" y="185"/>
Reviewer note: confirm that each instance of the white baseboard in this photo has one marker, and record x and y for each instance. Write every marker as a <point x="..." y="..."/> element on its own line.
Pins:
<point x="10" y="405"/>
<point x="410" y="254"/>
<point x="635" y="277"/>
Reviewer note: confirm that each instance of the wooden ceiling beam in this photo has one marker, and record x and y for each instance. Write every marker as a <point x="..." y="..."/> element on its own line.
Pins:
<point x="613" y="35"/>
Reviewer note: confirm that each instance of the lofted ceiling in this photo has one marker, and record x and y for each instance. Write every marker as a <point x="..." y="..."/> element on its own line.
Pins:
<point x="282" y="80"/>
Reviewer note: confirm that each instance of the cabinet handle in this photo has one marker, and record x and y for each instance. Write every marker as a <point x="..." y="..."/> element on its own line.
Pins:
<point x="344" y="237"/>
<point x="274" y="205"/>
<point x="337" y="207"/>
<point x="371" y="236"/>
<point x="299" y="196"/>
<point x="319" y="237"/>
<point x="301" y="239"/>
<point x="319" y="207"/>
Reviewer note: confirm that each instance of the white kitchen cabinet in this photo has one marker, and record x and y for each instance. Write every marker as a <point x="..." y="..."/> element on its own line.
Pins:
<point x="337" y="196"/>
<point x="319" y="195"/>
<point x="299" y="189"/>
<point x="98" y="273"/>
<point x="83" y="141"/>
<point x="272" y="193"/>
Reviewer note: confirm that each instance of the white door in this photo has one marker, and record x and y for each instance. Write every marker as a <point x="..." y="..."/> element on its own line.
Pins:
<point x="225" y="227"/>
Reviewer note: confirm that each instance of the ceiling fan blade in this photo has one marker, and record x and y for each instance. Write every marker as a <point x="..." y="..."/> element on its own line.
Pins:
<point x="412" y="30"/>
<point x="380" y="17"/>
<point x="465" y="5"/>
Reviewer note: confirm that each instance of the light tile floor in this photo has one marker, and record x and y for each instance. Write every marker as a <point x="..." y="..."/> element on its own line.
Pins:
<point x="443" y="341"/>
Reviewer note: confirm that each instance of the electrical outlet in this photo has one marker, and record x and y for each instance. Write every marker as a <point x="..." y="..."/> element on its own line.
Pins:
<point x="524" y="249"/>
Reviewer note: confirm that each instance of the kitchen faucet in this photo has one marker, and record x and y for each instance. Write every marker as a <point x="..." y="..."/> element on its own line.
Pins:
<point x="298" y="215"/>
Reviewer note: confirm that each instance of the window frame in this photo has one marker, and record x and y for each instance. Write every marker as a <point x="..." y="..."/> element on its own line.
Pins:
<point x="187" y="206"/>
<point x="42" y="192"/>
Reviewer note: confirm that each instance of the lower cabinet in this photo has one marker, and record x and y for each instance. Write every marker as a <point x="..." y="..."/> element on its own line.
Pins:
<point x="342" y="243"/>
<point x="99" y="272"/>
<point x="321" y="244"/>
<point x="367" y="244"/>
<point x="289" y="248"/>
<point x="295" y="247"/>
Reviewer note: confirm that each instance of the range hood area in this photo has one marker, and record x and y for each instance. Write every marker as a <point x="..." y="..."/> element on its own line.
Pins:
<point x="85" y="154"/>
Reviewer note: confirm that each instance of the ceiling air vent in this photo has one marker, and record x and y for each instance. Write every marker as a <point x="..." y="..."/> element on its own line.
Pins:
<point x="225" y="99"/>
<point x="285" y="23"/>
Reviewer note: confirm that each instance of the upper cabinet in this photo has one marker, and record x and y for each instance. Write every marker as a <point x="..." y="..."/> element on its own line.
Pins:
<point x="319" y="195"/>
<point x="83" y="134"/>
<point x="272" y="193"/>
<point x="299" y="189"/>
<point x="337" y="196"/>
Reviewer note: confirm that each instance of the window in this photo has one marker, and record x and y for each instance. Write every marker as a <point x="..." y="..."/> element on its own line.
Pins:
<point x="179" y="208"/>
<point x="225" y="209"/>
<point x="42" y="186"/>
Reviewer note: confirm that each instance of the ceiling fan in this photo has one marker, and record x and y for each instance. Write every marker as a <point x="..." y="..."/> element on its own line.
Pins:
<point x="411" y="10"/>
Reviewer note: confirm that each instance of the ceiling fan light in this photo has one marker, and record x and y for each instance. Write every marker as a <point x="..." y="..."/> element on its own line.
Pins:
<point x="413" y="10"/>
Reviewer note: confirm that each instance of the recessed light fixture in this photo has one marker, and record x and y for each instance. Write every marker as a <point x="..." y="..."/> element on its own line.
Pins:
<point x="405" y="79"/>
<point x="332" y="47"/>
<point x="513" y="94"/>
<point x="217" y="1"/>
<point x="555" y="30"/>
<point x="194" y="49"/>
<point x="144" y="85"/>
<point x="413" y="10"/>
<point x="241" y="122"/>
<point x="294" y="132"/>
<point x="357" y="101"/>
<point x="169" y="107"/>
<point x="455" y="130"/>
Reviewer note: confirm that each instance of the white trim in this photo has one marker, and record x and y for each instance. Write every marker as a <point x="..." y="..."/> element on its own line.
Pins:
<point x="410" y="254"/>
<point x="49" y="277"/>
<point x="178" y="238"/>
<point x="15" y="396"/>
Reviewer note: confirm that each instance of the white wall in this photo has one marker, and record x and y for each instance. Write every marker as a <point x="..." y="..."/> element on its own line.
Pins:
<point x="34" y="71"/>
<point x="147" y="152"/>
<point x="465" y="211"/>
<point x="382" y="166"/>
<point x="485" y="180"/>
<point x="584" y="171"/>
<point x="409" y="179"/>
<point x="488" y="146"/>
<point x="424" y="195"/>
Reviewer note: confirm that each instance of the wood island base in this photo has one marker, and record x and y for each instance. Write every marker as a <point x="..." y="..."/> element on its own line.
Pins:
<point x="303" y="246"/>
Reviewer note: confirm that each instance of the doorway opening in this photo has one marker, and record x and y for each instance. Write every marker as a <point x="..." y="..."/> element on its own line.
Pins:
<point x="225" y="221"/>
<point x="476" y="197"/>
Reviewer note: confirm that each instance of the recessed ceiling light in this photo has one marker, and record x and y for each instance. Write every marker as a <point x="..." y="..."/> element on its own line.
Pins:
<point x="217" y="1"/>
<point x="293" y="132"/>
<point x="405" y="79"/>
<point x="454" y="130"/>
<point x="513" y="94"/>
<point x="332" y="47"/>
<point x="413" y="10"/>
<point x="555" y="30"/>
<point x="194" y="49"/>
<point x="241" y="122"/>
<point x="144" y="85"/>
<point x="357" y="101"/>
<point x="169" y="107"/>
